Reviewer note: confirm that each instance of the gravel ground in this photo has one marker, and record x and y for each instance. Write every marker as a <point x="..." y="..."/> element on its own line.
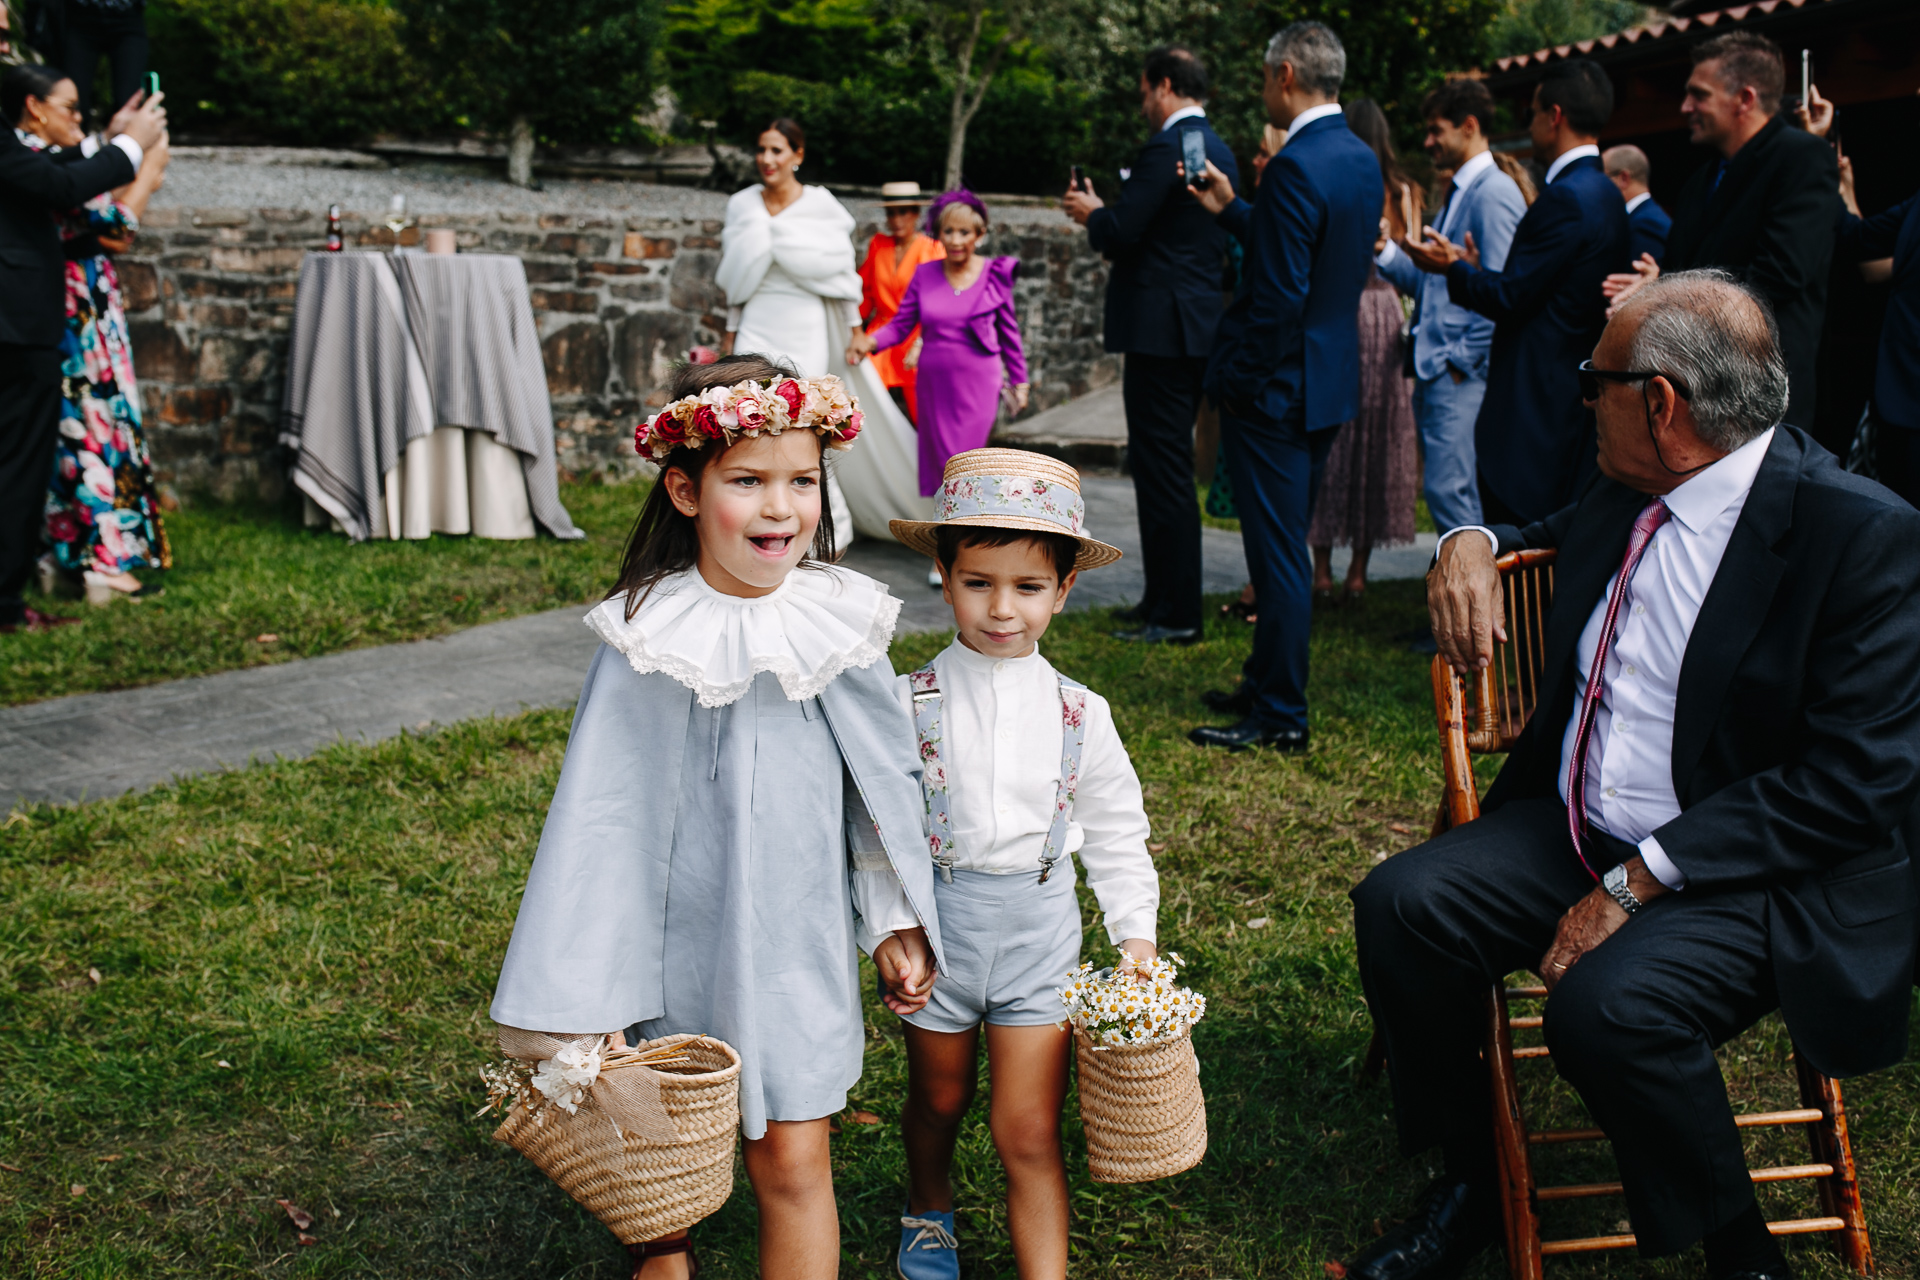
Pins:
<point x="194" y="183"/>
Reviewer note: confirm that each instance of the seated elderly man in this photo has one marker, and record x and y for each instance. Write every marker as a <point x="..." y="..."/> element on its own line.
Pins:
<point x="1709" y="815"/>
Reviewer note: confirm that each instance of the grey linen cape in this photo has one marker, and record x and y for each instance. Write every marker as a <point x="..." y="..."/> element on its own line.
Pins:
<point x="590" y="950"/>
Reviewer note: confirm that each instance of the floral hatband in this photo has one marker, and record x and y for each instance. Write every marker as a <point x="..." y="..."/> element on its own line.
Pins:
<point x="989" y="495"/>
<point x="752" y="408"/>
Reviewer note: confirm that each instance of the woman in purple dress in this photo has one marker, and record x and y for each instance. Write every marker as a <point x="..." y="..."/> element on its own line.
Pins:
<point x="964" y="308"/>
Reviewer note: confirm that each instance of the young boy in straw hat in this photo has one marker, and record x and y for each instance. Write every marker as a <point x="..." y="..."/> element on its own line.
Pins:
<point x="1022" y="768"/>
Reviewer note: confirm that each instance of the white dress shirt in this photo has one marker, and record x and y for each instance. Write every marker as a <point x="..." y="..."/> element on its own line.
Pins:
<point x="1000" y="741"/>
<point x="1639" y="200"/>
<point x="1566" y="158"/>
<point x="1462" y="179"/>
<point x="90" y="147"/>
<point x="1311" y="114"/>
<point x="1184" y="113"/>
<point x="1630" y="749"/>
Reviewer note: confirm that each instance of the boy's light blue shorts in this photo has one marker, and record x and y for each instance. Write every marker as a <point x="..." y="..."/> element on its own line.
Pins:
<point x="1010" y="942"/>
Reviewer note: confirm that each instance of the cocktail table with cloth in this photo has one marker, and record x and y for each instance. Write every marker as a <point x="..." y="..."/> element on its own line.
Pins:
<point x="416" y="398"/>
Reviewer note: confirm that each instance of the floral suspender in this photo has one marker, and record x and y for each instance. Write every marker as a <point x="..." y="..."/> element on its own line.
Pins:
<point x="933" y="777"/>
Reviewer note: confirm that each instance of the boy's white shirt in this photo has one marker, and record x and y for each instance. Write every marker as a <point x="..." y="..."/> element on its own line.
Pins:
<point x="1001" y="743"/>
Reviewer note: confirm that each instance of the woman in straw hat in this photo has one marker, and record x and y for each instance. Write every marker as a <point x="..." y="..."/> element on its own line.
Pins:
<point x="1021" y="768"/>
<point x="787" y="267"/>
<point x="892" y="258"/>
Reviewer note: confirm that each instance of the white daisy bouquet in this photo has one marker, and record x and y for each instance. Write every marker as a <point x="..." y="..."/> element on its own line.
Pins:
<point x="565" y="1079"/>
<point x="1134" y="1004"/>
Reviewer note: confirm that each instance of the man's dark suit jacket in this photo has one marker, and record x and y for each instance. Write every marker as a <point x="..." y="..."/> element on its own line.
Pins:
<point x="1290" y="343"/>
<point x="1894" y="233"/>
<point x="1534" y="435"/>
<point x="1168" y="253"/>
<point x="1769" y="222"/>
<point x="1796" y="736"/>
<point x="34" y="188"/>
<point x="1647" y="228"/>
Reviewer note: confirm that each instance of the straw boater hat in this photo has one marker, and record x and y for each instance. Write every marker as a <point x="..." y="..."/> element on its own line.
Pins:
<point x="901" y="195"/>
<point x="1009" y="489"/>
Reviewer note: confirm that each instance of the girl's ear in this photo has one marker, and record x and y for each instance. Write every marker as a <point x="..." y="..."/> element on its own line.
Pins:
<point x="681" y="491"/>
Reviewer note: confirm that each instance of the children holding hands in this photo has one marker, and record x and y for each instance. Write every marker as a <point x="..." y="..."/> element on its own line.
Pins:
<point x="1022" y="769"/>
<point x="740" y="801"/>
<point x="749" y="795"/>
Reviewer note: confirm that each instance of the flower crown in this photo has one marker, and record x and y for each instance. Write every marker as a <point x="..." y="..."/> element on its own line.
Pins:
<point x="752" y="408"/>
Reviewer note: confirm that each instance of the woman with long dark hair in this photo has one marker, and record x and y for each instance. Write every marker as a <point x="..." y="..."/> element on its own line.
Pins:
<point x="1367" y="492"/>
<point x="103" y="514"/>
<point x="786" y="264"/>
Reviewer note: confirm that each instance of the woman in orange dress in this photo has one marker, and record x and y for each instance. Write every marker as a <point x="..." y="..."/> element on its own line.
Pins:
<point x="892" y="257"/>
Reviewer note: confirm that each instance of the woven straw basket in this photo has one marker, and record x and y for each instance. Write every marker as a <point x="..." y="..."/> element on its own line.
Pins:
<point x="1142" y="1109"/>
<point x="643" y="1190"/>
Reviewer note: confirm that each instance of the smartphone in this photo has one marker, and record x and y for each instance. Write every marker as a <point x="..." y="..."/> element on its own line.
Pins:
<point x="1806" y="78"/>
<point x="153" y="84"/>
<point x="1193" y="154"/>
<point x="1077" y="180"/>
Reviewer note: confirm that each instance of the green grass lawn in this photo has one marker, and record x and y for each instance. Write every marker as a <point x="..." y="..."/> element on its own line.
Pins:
<point x="247" y="572"/>
<point x="272" y="985"/>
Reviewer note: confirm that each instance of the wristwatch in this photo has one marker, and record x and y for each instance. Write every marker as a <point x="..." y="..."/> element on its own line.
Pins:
<point x="1615" y="883"/>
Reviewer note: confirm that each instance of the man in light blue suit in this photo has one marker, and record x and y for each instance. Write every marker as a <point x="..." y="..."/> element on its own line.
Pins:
<point x="1450" y="343"/>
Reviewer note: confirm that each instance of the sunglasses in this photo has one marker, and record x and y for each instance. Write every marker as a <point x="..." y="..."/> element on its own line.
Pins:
<point x="1591" y="378"/>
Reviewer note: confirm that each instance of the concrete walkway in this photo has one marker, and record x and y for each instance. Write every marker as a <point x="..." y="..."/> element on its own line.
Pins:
<point x="136" y="738"/>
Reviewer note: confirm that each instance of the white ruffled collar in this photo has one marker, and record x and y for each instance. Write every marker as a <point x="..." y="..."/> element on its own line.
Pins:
<point x="816" y="624"/>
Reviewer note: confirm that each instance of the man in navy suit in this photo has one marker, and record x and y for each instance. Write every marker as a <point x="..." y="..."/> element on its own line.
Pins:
<point x="1647" y="223"/>
<point x="1894" y="233"/>
<point x="1534" y="436"/>
<point x="1285" y="368"/>
<point x="1163" y="304"/>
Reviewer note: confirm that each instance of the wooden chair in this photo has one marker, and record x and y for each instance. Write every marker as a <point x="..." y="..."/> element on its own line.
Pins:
<point x="1505" y="696"/>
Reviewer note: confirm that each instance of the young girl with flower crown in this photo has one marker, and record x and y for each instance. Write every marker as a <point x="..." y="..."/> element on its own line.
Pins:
<point x="740" y="801"/>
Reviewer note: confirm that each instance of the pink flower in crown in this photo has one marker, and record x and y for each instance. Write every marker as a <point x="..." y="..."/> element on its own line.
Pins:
<point x="852" y="428"/>
<point x="828" y="403"/>
<point x="720" y="401"/>
<point x="753" y="409"/>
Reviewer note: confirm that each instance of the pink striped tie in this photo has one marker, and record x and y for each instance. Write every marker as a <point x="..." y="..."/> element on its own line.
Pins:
<point x="1651" y="518"/>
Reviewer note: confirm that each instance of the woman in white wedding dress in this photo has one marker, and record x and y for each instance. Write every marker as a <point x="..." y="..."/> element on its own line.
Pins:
<point x="787" y="266"/>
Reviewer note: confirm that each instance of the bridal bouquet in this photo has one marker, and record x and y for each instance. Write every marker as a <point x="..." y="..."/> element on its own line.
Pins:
<point x="1134" y="1004"/>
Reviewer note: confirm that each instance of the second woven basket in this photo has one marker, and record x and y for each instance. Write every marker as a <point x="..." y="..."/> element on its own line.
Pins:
<point x="1142" y="1109"/>
<point x="644" y="1190"/>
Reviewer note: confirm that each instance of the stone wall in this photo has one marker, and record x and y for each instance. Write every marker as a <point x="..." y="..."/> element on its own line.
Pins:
<point x="210" y="301"/>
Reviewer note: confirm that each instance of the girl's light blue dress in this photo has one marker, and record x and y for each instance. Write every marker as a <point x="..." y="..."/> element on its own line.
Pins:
<point x="710" y="849"/>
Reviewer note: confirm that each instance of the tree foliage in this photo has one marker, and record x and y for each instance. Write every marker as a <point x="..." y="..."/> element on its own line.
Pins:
<point x="310" y="71"/>
<point x="577" y="70"/>
<point x="1536" y="24"/>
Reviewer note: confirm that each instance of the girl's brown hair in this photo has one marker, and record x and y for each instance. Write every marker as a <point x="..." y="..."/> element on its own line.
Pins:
<point x="666" y="541"/>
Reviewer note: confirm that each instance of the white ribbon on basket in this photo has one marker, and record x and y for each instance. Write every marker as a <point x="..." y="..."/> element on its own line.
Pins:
<point x="601" y="1072"/>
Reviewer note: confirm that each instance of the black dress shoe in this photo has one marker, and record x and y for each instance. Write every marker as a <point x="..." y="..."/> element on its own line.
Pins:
<point x="1132" y="613"/>
<point x="1249" y="733"/>
<point x="1452" y="1223"/>
<point x="1153" y="633"/>
<point x="1235" y="702"/>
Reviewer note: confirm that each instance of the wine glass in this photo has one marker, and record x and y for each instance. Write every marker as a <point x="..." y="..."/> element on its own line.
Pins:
<point x="397" y="219"/>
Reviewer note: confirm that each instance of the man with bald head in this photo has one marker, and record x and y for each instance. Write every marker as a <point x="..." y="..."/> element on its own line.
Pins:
<point x="1647" y="223"/>
<point x="1708" y="816"/>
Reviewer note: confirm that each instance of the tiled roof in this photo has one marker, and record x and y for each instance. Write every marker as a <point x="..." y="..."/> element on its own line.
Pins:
<point x="1663" y="29"/>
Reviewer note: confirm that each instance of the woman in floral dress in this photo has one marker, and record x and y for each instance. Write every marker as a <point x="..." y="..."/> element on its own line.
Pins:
<point x="103" y="516"/>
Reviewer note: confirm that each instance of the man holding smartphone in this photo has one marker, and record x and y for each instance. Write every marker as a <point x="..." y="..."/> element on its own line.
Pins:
<point x="1163" y="305"/>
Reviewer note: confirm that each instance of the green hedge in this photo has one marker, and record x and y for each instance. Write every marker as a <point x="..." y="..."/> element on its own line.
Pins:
<point x="296" y="71"/>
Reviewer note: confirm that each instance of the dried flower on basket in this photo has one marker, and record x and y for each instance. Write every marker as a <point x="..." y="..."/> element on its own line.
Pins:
<point x="1134" y="1003"/>
<point x="564" y="1079"/>
<point x="752" y="408"/>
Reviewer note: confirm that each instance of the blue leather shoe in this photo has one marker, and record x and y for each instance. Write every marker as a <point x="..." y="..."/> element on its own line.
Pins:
<point x="928" y="1249"/>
